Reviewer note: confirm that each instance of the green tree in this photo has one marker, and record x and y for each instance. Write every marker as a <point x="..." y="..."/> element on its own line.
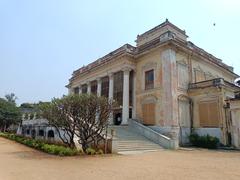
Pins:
<point x="11" y="98"/>
<point x="9" y="114"/>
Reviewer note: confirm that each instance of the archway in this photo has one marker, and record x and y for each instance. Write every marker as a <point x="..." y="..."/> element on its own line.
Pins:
<point x="41" y="132"/>
<point x="50" y="134"/>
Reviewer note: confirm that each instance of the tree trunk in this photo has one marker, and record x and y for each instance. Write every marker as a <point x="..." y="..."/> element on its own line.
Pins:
<point x="72" y="144"/>
<point x="5" y="127"/>
<point x="84" y="147"/>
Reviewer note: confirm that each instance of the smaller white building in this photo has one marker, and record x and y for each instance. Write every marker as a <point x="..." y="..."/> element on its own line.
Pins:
<point x="38" y="129"/>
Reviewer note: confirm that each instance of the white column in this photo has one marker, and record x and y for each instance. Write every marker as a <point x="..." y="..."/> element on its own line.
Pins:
<point x="99" y="86"/>
<point x="134" y="96"/>
<point x="69" y="91"/>
<point x="89" y="87"/>
<point x="125" y="107"/>
<point x="110" y="95"/>
<point x="80" y="89"/>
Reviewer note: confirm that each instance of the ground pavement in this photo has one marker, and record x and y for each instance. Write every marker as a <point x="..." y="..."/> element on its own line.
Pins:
<point x="18" y="162"/>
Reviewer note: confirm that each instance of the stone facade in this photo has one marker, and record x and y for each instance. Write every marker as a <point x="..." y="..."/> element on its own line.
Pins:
<point x="163" y="83"/>
<point x="235" y="123"/>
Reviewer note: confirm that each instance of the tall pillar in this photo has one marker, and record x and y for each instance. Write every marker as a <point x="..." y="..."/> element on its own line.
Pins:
<point x="110" y="95"/>
<point x="80" y="89"/>
<point x="125" y="107"/>
<point x="99" y="86"/>
<point x="134" y="96"/>
<point x="89" y="87"/>
<point x="169" y="95"/>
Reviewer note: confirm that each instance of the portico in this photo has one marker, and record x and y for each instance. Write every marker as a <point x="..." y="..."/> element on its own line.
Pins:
<point x="115" y="85"/>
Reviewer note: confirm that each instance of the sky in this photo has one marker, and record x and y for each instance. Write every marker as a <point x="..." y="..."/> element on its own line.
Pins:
<point x="43" y="41"/>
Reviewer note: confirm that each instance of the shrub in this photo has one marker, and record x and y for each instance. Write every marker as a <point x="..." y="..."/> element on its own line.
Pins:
<point x="90" y="151"/>
<point x="206" y="141"/>
<point x="100" y="151"/>
<point x="43" y="146"/>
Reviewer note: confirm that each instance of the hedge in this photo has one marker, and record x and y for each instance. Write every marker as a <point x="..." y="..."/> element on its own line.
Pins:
<point x="207" y="141"/>
<point x="42" y="145"/>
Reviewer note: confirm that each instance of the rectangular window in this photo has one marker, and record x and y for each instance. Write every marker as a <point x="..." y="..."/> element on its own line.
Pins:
<point x="149" y="79"/>
<point x="118" y="87"/>
<point x="208" y="114"/>
<point x="105" y="87"/>
<point x="94" y="87"/>
<point x="76" y="90"/>
<point x="84" y="89"/>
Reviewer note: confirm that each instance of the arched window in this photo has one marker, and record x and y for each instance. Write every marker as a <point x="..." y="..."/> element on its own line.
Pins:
<point x="41" y="132"/>
<point x="28" y="131"/>
<point x="50" y="134"/>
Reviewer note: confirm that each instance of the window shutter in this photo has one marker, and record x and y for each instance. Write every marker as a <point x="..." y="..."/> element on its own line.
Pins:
<point x="209" y="114"/>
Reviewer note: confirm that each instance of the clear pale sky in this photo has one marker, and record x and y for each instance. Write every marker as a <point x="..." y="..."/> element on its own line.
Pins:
<point x="43" y="41"/>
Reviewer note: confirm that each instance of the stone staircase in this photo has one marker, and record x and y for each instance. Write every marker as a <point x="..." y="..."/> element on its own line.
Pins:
<point x="130" y="142"/>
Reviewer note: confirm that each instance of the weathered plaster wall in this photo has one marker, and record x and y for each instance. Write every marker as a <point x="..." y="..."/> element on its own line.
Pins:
<point x="201" y="95"/>
<point x="235" y="112"/>
<point x="215" y="132"/>
<point x="206" y="95"/>
<point x="209" y="69"/>
<point x="145" y="63"/>
<point x="155" y="34"/>
<point x="169" y="87"/>
<point x="163" y="61"/>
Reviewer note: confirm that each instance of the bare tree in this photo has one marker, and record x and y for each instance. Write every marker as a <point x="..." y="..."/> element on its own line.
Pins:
<point x="57" y="113"/>
<point x="92" y="120"/>
<point x="85" y="116"/>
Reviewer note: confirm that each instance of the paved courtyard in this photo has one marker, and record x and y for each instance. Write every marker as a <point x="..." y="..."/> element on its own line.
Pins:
<point x="18" y="162"/>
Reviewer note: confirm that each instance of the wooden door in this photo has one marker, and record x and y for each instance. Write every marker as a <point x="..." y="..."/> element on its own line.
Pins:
<point x="149" y="114"/>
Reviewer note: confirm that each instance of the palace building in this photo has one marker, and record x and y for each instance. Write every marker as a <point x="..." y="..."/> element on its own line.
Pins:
<point x="165" y="83"/>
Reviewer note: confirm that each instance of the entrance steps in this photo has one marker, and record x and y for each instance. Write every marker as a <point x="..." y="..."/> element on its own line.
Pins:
<point x="130" y="142"/>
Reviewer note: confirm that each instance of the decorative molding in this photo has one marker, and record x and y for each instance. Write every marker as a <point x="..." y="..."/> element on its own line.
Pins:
<point x="182" y="62"/>
<point x="208" y="98"/>
<point x="149" y="99"/>
<point x="149" y="65"/>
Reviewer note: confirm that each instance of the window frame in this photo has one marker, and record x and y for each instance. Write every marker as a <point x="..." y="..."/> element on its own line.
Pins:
<point x="149" y="84"/>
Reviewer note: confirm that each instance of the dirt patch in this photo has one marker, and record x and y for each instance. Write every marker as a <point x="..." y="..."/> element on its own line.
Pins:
<point x="18" y="162"/>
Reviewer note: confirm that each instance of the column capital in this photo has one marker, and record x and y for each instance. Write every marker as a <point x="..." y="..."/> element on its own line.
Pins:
<point x="126" y="69"/>
<point x="88" y="82"/>
<point x="110" y="74"/>
<point x="99" y="79"/>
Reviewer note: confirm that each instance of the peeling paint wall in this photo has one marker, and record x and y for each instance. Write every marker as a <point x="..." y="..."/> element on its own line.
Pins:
<point x="235" y="112"/>
<point x="208" y="71"/>
<point x="146" y="63"/>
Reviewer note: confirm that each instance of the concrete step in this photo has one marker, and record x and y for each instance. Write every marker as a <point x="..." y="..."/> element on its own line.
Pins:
<point x="130" y="142"/>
